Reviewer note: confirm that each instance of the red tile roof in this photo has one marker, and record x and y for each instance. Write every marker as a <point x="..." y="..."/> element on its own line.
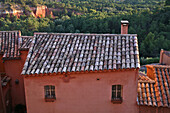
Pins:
<point x="144" y="79"/>
<point x="9" y="44"/>
<point x="65" y="52"/>
<point x="26" y="42"/>
<point x="155" y="92"/>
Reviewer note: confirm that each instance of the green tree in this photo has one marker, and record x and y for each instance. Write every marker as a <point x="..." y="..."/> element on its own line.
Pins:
<point x="13" y="18"/>
<point x="65" y="12"/>
<point x="59" y="29"/>
<point x="167" y="2"/>
<point x="148" y="46"/>
<point x="70" y="28"/>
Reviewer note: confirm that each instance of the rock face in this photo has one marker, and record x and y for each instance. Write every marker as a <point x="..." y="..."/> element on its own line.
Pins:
<point x="8" y="9"/>
<point x="41" y="11"/>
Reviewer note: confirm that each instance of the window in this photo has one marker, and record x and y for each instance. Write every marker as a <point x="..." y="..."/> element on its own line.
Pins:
<point x="116" y="94"/>
<point x="49" y="93"/>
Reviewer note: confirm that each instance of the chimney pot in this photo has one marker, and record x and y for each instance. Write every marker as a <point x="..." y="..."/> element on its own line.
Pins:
<point x="124" y="26"/>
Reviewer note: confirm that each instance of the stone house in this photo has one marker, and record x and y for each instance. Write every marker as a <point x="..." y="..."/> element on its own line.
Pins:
<point x="82" y="73"/>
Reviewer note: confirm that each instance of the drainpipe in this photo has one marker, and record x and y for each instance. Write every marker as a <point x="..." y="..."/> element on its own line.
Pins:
<point x="1" y="96"/>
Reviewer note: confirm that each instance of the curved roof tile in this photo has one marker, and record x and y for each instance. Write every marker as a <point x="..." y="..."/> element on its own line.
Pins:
<point x="155" y="93"/>
<point x="66" y="52"/>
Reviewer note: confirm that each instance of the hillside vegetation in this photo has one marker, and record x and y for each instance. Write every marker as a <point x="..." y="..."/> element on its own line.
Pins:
<point x="150" y="19"/>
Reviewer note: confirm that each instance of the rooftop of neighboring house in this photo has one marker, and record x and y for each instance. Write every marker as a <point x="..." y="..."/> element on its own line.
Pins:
<point x="26" y="42"/>
<point x="11" y="42"/>
<point x="71" y="52"/>
<point x="154" y="87"/>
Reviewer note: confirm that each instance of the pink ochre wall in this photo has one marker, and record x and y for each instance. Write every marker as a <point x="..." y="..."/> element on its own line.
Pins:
<point x="165" y="59"/>
<point x="83" y="93"/>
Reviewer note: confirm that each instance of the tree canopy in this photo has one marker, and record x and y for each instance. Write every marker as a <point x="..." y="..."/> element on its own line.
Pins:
<point x="149" y="19"/>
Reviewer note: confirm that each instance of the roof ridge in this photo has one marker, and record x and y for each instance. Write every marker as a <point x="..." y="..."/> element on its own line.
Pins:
<point x="153" y="66"/>
<point x="161" y="66"/>
<point x="91" y="34"/>
<point x="11" y="31"/>
<point x="26" y="36"/>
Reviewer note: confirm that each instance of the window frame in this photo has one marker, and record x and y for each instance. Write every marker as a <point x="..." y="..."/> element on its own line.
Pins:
<point x="117" y="98"/>
<point x="49" y="93"/>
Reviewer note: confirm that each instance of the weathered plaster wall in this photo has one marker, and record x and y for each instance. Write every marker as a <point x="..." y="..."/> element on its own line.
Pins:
<point x="13" y="69"/>
<point x="83" y="93"/>
<point x="165" y="59"/>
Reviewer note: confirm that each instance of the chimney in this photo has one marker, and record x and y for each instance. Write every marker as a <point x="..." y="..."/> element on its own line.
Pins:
<point x="161" y="56"/>
<point x="124" y="26"/>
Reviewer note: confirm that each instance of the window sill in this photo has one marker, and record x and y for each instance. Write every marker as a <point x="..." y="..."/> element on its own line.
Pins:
<point x="47" y="99"/>
<point x="116" y="101"/>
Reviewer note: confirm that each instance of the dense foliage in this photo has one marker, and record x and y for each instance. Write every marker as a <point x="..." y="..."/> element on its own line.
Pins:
<point x="150" y="19"/>
<point x="144" y="61"/>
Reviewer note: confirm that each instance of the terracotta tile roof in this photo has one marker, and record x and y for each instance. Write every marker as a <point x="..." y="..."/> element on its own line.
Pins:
<point x="9" y="44"/>
<point x="58" y="53"/>
<point x="144" y="79"/>
<point x="155" y="92"/>
<point x="26" y="42"/>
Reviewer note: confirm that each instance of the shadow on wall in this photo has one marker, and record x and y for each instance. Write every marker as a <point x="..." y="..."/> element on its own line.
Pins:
<point x="20" y="108"/>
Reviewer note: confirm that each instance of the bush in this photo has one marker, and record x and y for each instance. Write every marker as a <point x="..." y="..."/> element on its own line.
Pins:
<point x="150" y="60"/>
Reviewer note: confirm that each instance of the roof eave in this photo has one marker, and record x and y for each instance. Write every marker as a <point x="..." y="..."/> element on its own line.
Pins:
<point x="78" y="72"/>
